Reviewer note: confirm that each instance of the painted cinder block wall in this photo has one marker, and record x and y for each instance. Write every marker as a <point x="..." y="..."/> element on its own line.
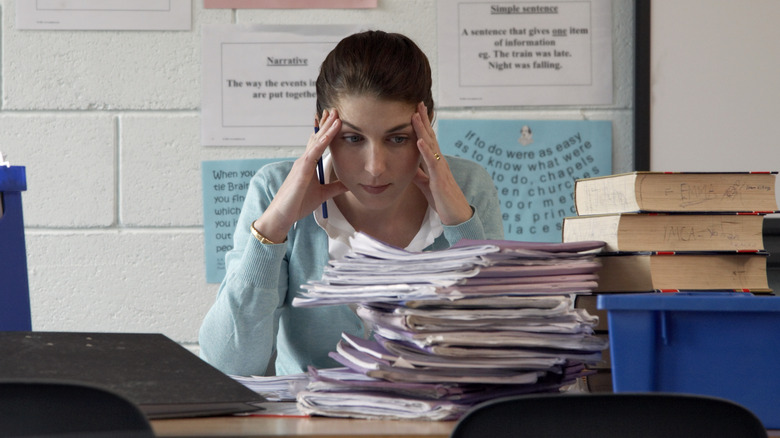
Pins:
<point x="107" y="124"/>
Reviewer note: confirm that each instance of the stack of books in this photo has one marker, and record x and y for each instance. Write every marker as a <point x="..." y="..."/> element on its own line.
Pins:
<point x="673" y="231"/>
<point x="453" y="328"/>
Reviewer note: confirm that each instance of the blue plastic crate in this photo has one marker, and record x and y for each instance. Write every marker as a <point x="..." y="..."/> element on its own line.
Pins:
<point x="720" y="344"/>
<point x="14" y="288"/>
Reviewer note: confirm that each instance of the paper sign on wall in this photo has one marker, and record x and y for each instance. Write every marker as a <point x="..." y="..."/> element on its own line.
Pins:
<point x="259" y="82"/>
<point x="289" y="4"/>
<point x="534" y="164"/>
<point x="224" y="189"/>
<point x="525" y="53"/>
<point x="104" y="14"/>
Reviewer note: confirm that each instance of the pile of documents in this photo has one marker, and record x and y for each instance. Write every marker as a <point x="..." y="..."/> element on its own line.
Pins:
<point x="453" y="328"/>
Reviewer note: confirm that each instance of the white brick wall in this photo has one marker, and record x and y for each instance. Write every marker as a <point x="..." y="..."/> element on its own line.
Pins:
<point x="107" y="124"/>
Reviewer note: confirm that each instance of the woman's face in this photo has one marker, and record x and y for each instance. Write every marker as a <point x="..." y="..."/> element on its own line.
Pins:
<point x="375" y="155"/>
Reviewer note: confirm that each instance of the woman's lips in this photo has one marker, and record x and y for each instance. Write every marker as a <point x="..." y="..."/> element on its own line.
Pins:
<point x="375" y="190"/>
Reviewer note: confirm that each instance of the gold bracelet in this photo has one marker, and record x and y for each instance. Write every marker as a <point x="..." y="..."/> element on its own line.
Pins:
<point x="264" y="240"/>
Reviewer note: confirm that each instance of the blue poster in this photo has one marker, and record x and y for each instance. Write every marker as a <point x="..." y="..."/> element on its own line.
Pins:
<point x="224" y="189"/>
<point x="534" y="164"/>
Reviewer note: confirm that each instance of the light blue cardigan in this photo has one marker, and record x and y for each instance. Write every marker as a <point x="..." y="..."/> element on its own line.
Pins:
<point x="253" y="316"/>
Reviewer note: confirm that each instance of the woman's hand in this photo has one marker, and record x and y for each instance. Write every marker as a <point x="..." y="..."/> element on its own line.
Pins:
<point x="435" y="178"/>
<point x="301" y="191"/>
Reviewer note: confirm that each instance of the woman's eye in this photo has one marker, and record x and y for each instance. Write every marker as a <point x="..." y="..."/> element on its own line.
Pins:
<point x="400" y="139"/>
<point x="351" y="138"/>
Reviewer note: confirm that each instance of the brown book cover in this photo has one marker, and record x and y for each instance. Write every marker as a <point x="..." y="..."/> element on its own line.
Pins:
<point x="163" y="378"/>
<point x="668" y="232"/>
<point x="670" y="272"/>
<point x="685" y="192"/>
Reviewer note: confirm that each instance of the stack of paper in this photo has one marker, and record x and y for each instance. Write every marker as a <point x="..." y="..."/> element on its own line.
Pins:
<point x="351" y="395"/>
<point x="275" y="388"/>
<point x="376" y="272"/>
<point x="452" y="328"/>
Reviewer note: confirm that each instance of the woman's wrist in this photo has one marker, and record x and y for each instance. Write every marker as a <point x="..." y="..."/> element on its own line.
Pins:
<point x="464" y="214"/>
<point x="259" y="232"/>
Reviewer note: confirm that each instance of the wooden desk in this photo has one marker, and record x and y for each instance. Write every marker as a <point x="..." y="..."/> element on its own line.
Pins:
<point x="317" y="427"/>
<point x="278" y="423"/>
<point x="300" y="427"/>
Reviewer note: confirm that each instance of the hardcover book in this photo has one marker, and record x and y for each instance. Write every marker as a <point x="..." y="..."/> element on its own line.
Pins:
<point x="676" y="192"/>
<point x="668" y="232"/>
<point x="671" y="272"/>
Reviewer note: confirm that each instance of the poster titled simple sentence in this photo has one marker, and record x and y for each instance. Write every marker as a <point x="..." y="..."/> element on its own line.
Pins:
<point x="525" y="53"/>
<point x="534" y="164"/>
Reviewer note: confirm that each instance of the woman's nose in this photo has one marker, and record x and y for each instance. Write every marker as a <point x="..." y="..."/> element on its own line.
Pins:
<point x="376" y="160"/>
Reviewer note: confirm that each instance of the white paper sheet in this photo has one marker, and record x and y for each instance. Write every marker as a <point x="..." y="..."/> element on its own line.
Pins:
<point x="104" y="14"/>
<point x="258" y="82"/>
<point x="289" y="4"/>
<point x="524" y="53"/>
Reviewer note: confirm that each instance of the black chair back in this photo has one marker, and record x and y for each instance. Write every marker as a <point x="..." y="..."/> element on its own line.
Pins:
<point x="642" y="415"/>
<point x="47" y="409"/>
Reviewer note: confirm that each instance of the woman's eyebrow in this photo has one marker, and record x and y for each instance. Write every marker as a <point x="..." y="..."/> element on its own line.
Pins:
<point x="349" y="125"/>
<point x="400" y="127"/>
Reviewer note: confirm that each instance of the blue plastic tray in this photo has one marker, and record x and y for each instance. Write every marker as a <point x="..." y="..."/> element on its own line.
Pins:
<point x="720" y="344"/>
<point x="14" y="287"/>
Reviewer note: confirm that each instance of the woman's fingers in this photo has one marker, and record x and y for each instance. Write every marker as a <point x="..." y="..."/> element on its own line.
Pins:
<point x="301" y="192"/>
<point x="423" y="111"/>
<point x="329" y="127"/>
<point x="426" y="137"/>
<point x="435" y="179"/>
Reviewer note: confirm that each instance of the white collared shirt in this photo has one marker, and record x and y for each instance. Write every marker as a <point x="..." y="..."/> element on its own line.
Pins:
<point x="339" y="230"/>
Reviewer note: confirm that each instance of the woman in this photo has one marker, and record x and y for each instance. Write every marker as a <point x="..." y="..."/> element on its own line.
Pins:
<point x="384" y="176"/>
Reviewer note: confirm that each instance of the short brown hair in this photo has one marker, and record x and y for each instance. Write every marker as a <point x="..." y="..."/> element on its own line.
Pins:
<point x="388" y="66"/>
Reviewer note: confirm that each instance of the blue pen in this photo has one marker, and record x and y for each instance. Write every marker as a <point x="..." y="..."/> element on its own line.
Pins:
<point x="321" y="172"/>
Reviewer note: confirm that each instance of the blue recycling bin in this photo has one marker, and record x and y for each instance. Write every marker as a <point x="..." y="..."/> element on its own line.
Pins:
<point x="716" y="344"/>
<point x="14" y="286"/>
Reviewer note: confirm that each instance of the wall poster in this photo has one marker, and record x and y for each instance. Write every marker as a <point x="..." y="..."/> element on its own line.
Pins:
<point x="534" y="164"/>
